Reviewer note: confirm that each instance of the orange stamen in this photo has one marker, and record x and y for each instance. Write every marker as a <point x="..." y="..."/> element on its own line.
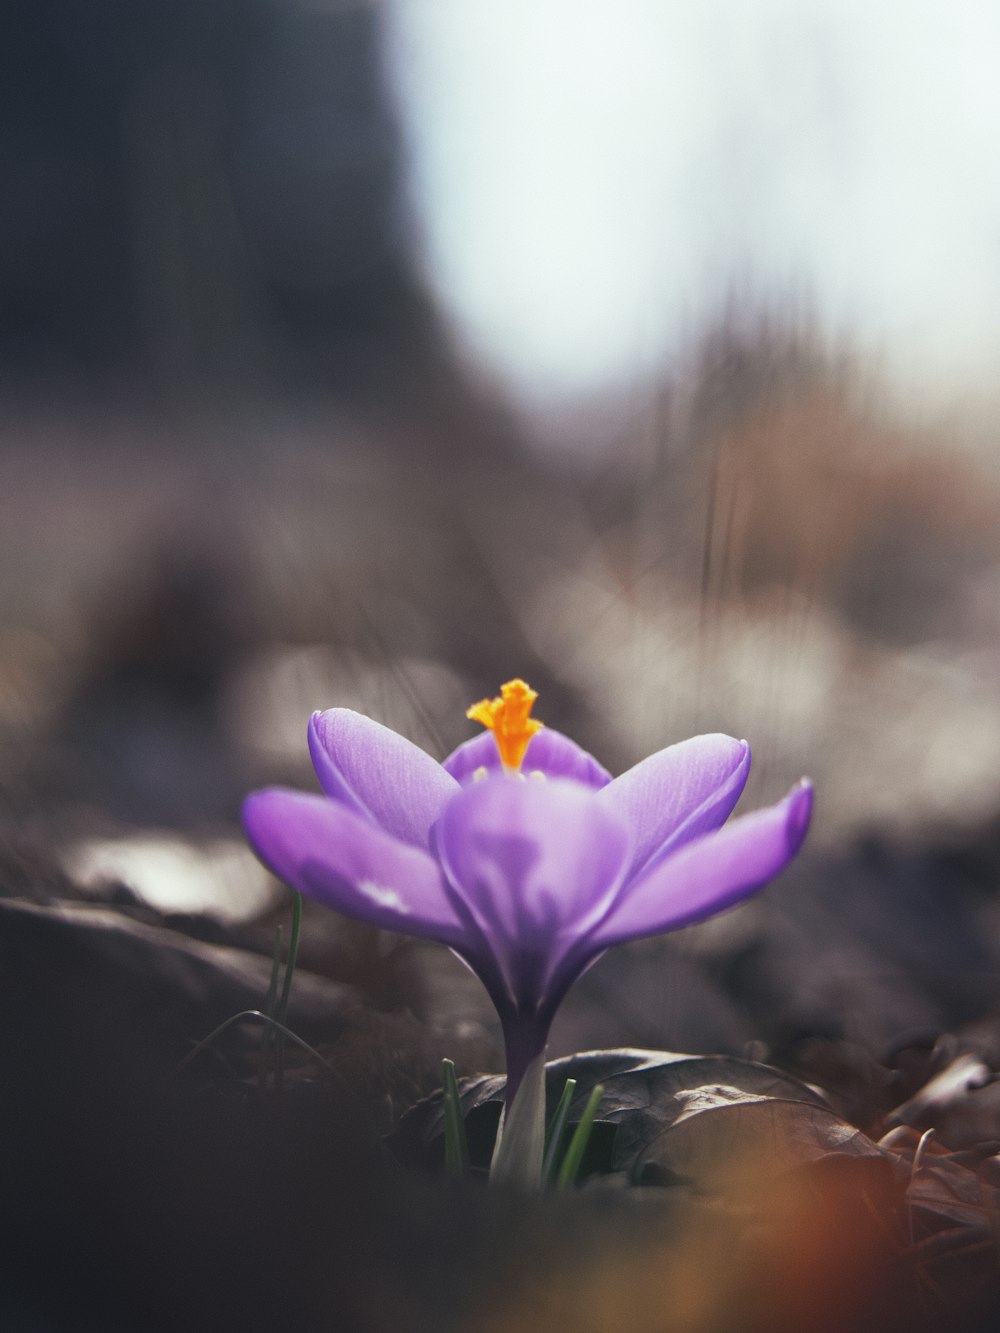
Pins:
<point x="508" y="717"/>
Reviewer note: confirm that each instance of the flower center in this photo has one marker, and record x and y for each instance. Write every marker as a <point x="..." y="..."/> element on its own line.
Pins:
<point x="509" y="718"/>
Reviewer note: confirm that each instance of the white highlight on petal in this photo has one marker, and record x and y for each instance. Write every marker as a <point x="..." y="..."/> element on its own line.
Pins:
<point x="385" y="897"/>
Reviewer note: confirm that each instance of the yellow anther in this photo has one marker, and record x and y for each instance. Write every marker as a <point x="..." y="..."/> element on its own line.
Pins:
<point x="509" y="718"/>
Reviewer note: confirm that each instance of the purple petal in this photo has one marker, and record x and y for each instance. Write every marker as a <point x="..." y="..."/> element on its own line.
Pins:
<point x="709" y="875"/>
<point x="337" y="857"/>
<point x="678" y="794"/>
<point x="533" y="864"/>
<point x="378" y="773"/>
<point x="549" y="752"/>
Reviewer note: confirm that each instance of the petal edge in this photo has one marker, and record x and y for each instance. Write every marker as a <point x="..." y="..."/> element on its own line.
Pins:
<point x="378" y="774"/>
<point x="337" y="857"/>
<point x="678" y="794"/>
<point x="711" y="874"/>
<point x="549" y="752"/>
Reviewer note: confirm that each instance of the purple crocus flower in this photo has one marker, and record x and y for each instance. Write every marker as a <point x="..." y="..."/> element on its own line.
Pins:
<point x="528" y="880"/>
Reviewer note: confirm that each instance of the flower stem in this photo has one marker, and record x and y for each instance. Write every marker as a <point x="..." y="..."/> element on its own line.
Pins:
<point x="524" y="1041"/>
<point x="520" y="1146"/>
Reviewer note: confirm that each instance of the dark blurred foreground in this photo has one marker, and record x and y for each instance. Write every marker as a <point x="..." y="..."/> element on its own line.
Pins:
<point x="143" y="1197"/>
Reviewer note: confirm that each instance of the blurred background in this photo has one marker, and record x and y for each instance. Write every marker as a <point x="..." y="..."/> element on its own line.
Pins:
<point x="369" y="354"/>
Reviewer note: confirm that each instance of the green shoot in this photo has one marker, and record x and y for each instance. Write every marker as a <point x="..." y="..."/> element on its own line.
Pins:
<point x="456" y="1147"/>
<point x="269" y="1003"/>
<point x="557" y="1132"/>
<point x="260" y="1017"/>
<point x="293" y="953"/>
<point x="274" y="1014"/>
<point x="272" y="989"/>
<point x="286" y="987"/>
<point x="581" y="1136"/>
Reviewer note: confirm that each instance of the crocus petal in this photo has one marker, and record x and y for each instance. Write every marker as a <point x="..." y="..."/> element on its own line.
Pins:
<point x="549" y="752"/>
<point x="711" y="874"/>
<point x="532" y="865"/>
<point x="337" y="857"/>
<point x="678" y="794"/>
<point x="378" y="773"/>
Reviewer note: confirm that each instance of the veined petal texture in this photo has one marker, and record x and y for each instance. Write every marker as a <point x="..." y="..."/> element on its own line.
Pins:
<point x="678" y="794"/>
<point x="378" y="773"/>
<point x="533" y="865"/>
<point x="337" y="857"/>
<point x="712" y="873"/>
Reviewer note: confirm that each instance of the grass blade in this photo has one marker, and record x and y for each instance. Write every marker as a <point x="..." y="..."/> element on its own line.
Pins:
<point x="286" y="988"/>
<point x="581" y="1137"/>
<point x="260" y="1017"/>
<point x="557" y="1132"/>
<point x="269" y="1003"/>
<point x="272" y="987"/>
<point x="456" y="1147"/>
<point x="293" y="953"/>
